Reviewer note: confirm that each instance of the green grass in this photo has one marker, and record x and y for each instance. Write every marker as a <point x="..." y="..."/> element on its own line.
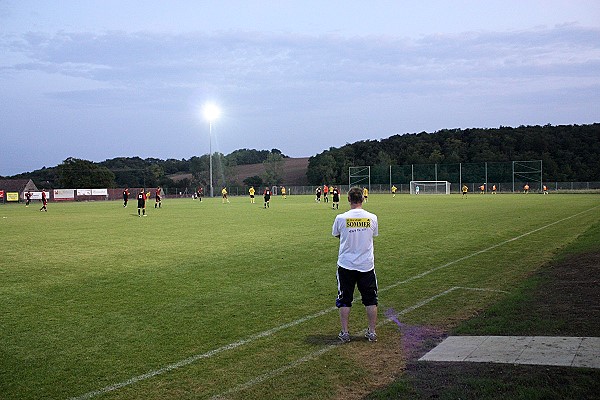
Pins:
<point x="91" y="295"/>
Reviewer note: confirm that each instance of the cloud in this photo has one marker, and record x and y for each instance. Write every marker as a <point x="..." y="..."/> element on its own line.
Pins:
<point x="314" y="87"/>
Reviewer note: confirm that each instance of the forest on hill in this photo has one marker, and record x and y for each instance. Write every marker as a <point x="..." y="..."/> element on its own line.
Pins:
<point x="567" y="152"/>
<point x="151" y="172"/>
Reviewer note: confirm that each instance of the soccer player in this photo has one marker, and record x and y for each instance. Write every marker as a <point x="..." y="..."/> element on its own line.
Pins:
<point x="283" y="193"/>
<point x="526" y="188"/>
<point x="224" y="195"/>
<point x="267" y="197"/>
<point x="125" y="197"/>
<point x="318" y="194"/>
<point x="356" y="264"/>
<point x="251" y="191"/>
<point x="44" y="202"/>
<point x="325" y="193"/>
<point x="394" y="188"/>
<point x="199" y="193"/>
<point x="27" y="198"/>
<point x="366" y="194"/>
<point x="417" y="189"/>
<point x="157" y="198"/>
<point x="482" y="189"/>
<point x="141" y="206"/>
<point x="494" y="189"/>
<point x="335" y="198"/>
<point x="465" y="189"/>
<point x="545" y="189"/>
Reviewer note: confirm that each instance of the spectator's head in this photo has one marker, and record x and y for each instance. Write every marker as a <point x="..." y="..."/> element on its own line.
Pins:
<point x="355" y="195"/>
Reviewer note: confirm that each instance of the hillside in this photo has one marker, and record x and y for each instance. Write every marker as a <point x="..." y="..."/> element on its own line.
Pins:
<point x="294" y="172"/>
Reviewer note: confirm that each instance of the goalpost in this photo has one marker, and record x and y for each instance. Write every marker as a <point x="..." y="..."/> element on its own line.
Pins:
<point x="429" y="187"/>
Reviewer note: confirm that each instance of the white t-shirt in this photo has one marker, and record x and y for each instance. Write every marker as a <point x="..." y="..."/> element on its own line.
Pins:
<point x="356" y="229"/>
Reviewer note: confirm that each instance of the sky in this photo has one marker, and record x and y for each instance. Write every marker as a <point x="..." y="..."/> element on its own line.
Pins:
<point x="97" y="80"/>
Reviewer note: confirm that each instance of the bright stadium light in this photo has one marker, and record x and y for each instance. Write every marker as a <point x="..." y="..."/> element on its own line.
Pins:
<point x="211" y="112"/>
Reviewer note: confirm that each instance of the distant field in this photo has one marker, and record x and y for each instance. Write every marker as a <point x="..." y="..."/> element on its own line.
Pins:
<point x="207" y="299"/>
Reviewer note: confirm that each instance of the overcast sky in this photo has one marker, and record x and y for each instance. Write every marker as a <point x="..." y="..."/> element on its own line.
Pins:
<point x="116" y="78"/>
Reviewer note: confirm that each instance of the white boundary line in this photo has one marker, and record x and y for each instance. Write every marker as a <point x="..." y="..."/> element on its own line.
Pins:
<point x="323" y="350"/>
<point x="270" y="332"/>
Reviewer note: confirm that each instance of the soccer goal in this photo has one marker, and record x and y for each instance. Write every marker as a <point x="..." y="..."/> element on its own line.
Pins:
<point x="429" y="187"/>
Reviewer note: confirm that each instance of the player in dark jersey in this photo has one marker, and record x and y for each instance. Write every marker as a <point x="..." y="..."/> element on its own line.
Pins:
<point x="125" y="197"/>
<point x="141" y="198"/>
<point x="27" y="198"/>
<point x="44" y="202"/>
<point x="336" y="198"/>
<point x="267" y="196"/>
<point x="158" y="199"/>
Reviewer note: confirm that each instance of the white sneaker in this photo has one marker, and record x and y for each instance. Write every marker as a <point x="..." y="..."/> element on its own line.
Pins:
<point x="344" y="337"/>
<point x="371" y="336"/>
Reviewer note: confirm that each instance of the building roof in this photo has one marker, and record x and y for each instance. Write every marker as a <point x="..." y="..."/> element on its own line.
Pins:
<point x="17" y="185"/>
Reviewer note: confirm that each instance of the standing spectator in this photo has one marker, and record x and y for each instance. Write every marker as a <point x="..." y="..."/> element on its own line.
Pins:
<point x="356" y="263"/>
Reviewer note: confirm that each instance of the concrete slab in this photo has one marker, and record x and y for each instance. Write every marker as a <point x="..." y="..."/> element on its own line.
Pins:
<point x="588" y="354"/>
<point x="544" y="350"/>
<point x="532" y="350"/>
<point x="500" y="349"/>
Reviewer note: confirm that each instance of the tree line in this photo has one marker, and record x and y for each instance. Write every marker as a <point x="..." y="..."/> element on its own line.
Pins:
<point x="151" y="172"/>
<point x="568" y="152"/>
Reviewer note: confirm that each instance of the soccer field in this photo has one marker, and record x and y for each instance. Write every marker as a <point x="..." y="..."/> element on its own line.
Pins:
<point x="201" y="300"/>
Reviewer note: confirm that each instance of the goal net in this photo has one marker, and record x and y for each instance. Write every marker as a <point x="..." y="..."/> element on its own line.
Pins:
<point x="429" y="187"/>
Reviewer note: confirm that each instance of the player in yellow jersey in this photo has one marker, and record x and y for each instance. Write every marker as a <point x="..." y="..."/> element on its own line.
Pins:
<point x="465" y="189"/>
<point x="394" y="188"/>
<point x="366" y="194"/>
<point x="251" y="191"/>
<point x="224" y="195"/>
<point x="283" y="192"/>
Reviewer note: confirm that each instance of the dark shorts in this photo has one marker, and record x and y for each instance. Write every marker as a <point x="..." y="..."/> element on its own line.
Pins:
<point x="141" y="204"/>
<point x="365" y="281"/>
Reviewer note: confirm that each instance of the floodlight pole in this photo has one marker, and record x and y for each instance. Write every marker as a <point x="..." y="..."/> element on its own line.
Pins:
<point x="210" y="157"/>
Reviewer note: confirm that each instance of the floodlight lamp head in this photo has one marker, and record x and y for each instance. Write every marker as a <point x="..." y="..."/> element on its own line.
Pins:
<point x="211" y="112"/>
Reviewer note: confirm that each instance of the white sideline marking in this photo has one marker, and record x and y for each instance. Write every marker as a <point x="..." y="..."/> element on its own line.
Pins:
<point x="269" y="332"/>
<point x="422" y="274"/>
<point x="323" y="350"/>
